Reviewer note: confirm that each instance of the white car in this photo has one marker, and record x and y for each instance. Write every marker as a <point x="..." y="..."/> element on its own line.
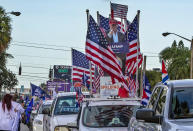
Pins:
<point x="99" y="114"/>
<point x="64" y="110"/>
<point x="38" y="120"/>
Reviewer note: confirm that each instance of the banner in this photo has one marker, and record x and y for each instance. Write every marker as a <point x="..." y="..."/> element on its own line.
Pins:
<point x="59" y="85"/>
<point x="120" y="47"/>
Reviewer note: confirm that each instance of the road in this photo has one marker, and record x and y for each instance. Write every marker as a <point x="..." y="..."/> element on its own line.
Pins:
<point x="23" y="127"/>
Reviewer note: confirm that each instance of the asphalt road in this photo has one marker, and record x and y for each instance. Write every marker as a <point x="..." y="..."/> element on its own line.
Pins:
<point x="23" y="127"/>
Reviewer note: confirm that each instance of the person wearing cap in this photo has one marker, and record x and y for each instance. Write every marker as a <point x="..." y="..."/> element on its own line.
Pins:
<point x="114" y="36"/>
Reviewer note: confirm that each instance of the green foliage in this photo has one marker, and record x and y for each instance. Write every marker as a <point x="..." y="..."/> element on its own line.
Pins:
<point x="177" y="58"/>
<point x="153" y="77"/>
<point x="5" y="30"/>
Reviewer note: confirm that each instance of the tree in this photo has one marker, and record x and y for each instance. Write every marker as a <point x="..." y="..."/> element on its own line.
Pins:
<point x="5" y="30"/>
<point x="177" y="58"/>
<point x="153" y="77"/>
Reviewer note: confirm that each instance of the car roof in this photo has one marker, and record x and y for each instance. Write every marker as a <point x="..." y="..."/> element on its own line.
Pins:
<point x="120" y="101"/>
<point x="48" y="102"/>
<point x="70" y="94"/>
<point x="181" y="83"/>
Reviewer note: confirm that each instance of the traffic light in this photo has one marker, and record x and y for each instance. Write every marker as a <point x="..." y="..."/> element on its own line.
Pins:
<point x="20" y="69"/>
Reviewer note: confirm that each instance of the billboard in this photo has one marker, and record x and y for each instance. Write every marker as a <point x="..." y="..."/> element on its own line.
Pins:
<point x="62" y="72"/>
<point x="59" y="85"/>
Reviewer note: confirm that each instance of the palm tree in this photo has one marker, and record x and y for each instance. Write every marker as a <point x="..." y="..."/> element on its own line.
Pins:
<point x="177" y="59"/>
<point x="5" y="30"/>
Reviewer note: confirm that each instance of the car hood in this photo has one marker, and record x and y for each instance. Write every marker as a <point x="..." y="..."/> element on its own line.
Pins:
<point x="64" y="119"/>
<point x="183" y="124"/>
<point x="105" y="129"/>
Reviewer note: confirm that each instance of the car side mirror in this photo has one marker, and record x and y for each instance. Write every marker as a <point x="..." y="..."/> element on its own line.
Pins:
<point x="46" y="111"/>
<point x="148" y="115"/>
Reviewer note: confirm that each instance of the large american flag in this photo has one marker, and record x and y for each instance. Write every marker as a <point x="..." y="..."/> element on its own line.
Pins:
<point x="118" y="10"/>
<point x="146" y="91"/>
<point x="134" y="50"/>
<point x="98" y="74"/>
<point x="80" y="65"/>
<point x="100" y="54"/>
<point x="104" y="24"/>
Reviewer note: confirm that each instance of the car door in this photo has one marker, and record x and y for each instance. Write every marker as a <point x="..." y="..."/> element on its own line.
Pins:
<point x="145" y="126"/>
<point x="157" y="103"/>
<point x="47" y="118"/>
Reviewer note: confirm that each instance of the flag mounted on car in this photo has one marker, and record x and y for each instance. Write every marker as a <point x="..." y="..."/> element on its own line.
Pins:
<point x="165" y="76"/>
<point x="99" y="53"/>
<point x="118" y="10"/>
<point x="146" y="91"/>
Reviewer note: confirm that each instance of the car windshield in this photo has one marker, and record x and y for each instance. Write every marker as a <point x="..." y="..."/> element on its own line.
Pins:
<point x="43" y="106"/>
<point x="108" y="116"/>
<point x="66" y="105"/>
<point x="182" y="103"/>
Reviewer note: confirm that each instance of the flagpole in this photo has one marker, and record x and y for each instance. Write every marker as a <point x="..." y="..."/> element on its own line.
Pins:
<point x="138" y="13"/>
<point x="98" y="20"/>
<point x="90" y="65"/>
<point x="72" y="69"/>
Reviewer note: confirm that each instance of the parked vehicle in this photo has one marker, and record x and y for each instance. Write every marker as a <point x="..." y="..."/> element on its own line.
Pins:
<point x="170" y="108"/>
<point x="38" y="120"/>
<point x="106" y="114"/>
<point x="64" y="110"/>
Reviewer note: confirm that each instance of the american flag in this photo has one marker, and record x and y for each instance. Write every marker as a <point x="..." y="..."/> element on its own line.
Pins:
<point x="133" y="86"/>
<point x="104" y="24"/>
<point x="100" y="54"/>
<point x="98" y="74"/>
<point x="165" y="76"/>
<point x="80" y="66"/>
<point x="131" y="58"/>
<point x="118" y="10"/>
<point x="146" y="91"/>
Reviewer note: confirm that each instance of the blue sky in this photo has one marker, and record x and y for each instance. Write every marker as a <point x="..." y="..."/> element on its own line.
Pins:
<point x="63" y="23"/>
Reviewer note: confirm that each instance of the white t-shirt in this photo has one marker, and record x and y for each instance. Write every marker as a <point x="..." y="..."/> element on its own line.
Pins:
<point x="7" y="117"/>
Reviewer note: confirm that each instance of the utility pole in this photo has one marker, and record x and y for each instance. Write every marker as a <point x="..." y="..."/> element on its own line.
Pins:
<point x="191" y="65"/>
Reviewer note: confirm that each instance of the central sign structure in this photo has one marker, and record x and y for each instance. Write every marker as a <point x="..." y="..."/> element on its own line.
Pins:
<point x="62" y="72"/>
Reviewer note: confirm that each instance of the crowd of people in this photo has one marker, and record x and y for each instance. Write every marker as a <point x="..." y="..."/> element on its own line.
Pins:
<point x="11" y="113"/>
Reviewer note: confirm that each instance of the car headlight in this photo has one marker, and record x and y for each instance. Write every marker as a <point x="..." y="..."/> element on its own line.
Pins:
<point x="61" y="128"/>
<point x="38" y="122"/>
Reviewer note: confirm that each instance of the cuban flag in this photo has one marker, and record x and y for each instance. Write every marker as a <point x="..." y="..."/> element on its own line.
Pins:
<point x="146" y="91"/>
<point x="165" y="75"/>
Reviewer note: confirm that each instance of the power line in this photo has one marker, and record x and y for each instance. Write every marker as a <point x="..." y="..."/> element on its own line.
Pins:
<point x="34" y="43"/>
<point x="40" y="47"/>
<point x="33" y="76"/>
<point x="31" y="66"/>
<point x="40" y="57"/>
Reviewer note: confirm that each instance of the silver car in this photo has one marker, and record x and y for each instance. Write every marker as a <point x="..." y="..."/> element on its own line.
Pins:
<point x="170" y="109"/>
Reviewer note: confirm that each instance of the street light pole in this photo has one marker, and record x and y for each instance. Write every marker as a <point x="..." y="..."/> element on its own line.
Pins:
<point x="191" y="48"/>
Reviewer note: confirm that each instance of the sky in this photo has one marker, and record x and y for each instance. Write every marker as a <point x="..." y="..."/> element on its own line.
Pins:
<point x="63" y="23"/>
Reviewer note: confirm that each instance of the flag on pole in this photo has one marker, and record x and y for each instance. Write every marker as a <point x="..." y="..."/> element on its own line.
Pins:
<point x="104" y="25"/>
<point x="98" y="74"/>
<point x="133" y="86"/>
<point x="84" y="80"/>
<point x="80" y="66"/>
<point x="100" y="54"/>
<point x="146" y="91"/>
<point x="165" y="76"/>
<point x="134" y="50"/>
<point x="28" y="111"/>
<point x="118" y="10"/>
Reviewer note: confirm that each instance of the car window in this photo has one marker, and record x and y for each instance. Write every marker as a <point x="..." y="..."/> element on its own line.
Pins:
<point x="154" y="97"/>
<point x="66" y="105"/>
<point x="161" y="102"/>
<point x="42" y="107"/>
<point x="108" y="115"/>
<point x="182" y="103"/>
